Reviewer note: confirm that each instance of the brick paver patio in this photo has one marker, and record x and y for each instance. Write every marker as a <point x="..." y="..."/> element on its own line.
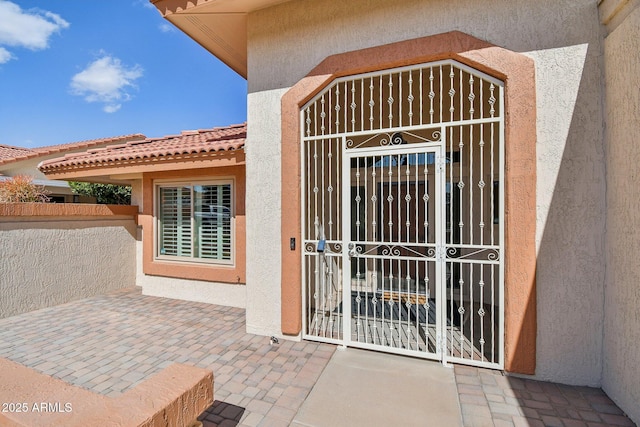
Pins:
<point x="108" y="344"/>
<point x="489" y="398"/>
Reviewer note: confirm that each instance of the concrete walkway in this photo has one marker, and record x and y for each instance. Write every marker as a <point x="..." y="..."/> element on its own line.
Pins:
<point x="111" y="343"/>
<point x="364" y="388"/>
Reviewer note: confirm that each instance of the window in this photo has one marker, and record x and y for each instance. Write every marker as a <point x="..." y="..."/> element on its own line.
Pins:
<point x="194" y="222"/>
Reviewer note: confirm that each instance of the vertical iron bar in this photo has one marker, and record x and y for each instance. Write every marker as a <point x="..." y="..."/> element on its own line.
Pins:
<point x="329" y="119"/>
<point x="441" y="95"/>
<point x="357" y="239"/>
<point x="449" y="339"/>
<point x="374" y="226"/>
<point x="361" y="105"/>
<point x="400" y="100"/>
<point x="380" y="107"/>
<point x="346" y="103"/>
<point x="339" y="181"/>
<point x="323" y="115"/>
<point x="371" y="103"/>
<point x="421" y="97"/>
<point x="460" y="241"/>
<point x="366" y="238"/>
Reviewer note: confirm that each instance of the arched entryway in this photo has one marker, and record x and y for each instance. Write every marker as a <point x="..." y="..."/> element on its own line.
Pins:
<point x="402" y="221"/>
<point x="512" y="74"/>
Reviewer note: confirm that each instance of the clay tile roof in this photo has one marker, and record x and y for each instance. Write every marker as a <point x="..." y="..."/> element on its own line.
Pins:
<point x="187" y="144"/>
<point x="15" y="154"/>
<point x="8" y="152"/>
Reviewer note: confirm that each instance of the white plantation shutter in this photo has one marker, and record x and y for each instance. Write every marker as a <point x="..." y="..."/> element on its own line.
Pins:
<point x="175" y="221"/>
<point x="214" y="231"/>
<point x="195" y="221"/>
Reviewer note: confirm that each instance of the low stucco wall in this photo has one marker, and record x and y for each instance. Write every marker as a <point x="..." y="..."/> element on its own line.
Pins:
<point x="51" y="254"/>
<point x="621" y="359"/>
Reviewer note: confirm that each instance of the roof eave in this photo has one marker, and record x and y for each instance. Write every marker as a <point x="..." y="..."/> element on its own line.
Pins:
<point x="220" y="26"/>
<point x="112" y="169"/>
<point x="49" y="151"/>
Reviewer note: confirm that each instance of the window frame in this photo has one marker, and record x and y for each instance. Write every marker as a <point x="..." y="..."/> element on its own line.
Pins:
<point x="191" y="183"/>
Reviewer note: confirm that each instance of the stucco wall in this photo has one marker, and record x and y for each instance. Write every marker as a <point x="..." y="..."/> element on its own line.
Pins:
<point x="621" y="361"/>
<point x="571" y="214"/>
<point x="563" y="38"/>
<point x="194" y="290"/>
<point x="51" y="259"/>
<point x="263" y="212"/>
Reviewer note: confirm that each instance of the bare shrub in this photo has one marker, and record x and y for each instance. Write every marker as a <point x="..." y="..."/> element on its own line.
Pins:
<point x="20" y="189"/>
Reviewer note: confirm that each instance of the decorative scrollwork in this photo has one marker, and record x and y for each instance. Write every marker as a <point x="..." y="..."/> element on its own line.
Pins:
<point x="397" y="250"/>
<point x="391" y="250"/>
<point x="331" y="248"/>
<point x="397" y="139"/>
<point x="384" y="139"/>
<point x="474" y="253"/>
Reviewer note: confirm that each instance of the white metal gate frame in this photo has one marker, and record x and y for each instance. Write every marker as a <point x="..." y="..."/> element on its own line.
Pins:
<point x="438" y="148"/>
<point x="435" y="148"/>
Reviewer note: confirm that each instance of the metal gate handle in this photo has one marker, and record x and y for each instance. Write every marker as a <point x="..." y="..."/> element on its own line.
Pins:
<point x="352" y="250"/>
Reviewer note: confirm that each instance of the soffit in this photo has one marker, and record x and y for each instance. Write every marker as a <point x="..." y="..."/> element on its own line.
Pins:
<point x="220" y="26"/>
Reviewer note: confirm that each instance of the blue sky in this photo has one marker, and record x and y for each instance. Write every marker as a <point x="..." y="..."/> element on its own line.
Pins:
<point x="72" y="70"/>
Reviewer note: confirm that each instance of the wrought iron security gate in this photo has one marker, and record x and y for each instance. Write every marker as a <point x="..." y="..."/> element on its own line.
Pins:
<point x="403" y="214"/>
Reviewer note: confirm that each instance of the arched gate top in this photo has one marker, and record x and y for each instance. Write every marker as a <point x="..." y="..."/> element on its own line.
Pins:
<point x="403" y="98"/>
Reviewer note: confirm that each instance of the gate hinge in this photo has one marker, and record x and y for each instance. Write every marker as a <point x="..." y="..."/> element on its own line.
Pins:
<point x="440" y="343"/>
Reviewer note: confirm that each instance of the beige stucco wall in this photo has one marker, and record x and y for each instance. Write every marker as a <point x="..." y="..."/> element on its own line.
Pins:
<point x="263" y="213"/>
<point x="52" y="261"/>
<point x="621" y="358"/>
<point x="564" y="39"/>
<point x="193" y="290"/>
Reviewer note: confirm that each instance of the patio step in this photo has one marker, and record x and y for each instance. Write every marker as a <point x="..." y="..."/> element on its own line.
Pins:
<point x="176" y="396"/>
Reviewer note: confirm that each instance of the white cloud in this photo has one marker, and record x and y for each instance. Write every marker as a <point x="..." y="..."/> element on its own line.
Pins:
<point x="29" y="29"/>
<point x="106" y="80"/>
<point x="146" y="3"/>
<point x="5" y="55"/>
<point x="111" y="108"/>
<point x="166" y="28"/>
